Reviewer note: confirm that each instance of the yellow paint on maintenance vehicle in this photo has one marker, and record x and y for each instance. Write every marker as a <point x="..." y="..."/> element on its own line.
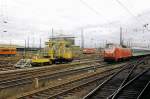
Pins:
<point x="43" y="60"/>
<point x="55" y="51"/>
<point x="51" y="53"/>
<point x="68" y="55"/>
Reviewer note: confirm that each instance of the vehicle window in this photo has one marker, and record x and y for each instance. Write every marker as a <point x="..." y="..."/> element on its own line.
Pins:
<point x="109" y="46"/>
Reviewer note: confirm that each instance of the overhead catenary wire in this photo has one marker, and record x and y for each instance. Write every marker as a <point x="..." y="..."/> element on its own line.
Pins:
<point x="93" y="10"/>
<point x="144" y="24"/>
<point x="130" y="12"/>
<point x="100" y="14"/>
<point x="97" y="13"/>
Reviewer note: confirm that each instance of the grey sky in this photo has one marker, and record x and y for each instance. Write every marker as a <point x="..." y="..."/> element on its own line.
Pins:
<point x="35" y="18"/>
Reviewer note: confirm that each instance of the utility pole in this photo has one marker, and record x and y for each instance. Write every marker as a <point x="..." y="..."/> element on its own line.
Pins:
<point x="52" y="33"/>
<point x="33" y="41"/>
<point x="28" y="43"/>
<point x="40" y="44"/>
<point x="24" y="49"/>
<point x="121" y="40"/>
<point x="105" y="43"/>
<point x="82" y="39"/>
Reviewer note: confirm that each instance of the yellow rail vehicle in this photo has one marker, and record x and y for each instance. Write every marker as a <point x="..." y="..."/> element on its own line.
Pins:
<point x="63" y="52"/>
<point x="54" y="52"/>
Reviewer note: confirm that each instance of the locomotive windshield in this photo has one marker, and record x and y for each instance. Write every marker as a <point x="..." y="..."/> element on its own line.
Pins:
<point x="110" y="46"/>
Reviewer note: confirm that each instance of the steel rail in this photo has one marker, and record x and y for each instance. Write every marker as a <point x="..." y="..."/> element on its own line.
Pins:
<point x="141" y="95"/>
<point x="128" y="77"/>
<point x="129" y="83"/>
<point x="28" y="80"/>
<point x="72" y="88"/>
<point x="31" y="71"/>
<point x="79" y="82"/>
<point x="130" y="69"/>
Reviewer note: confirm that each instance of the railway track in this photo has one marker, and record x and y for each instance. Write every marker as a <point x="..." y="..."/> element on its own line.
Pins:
<point x="7" y="64"/>
<point x="145" y="92"/>
<point x="26" y="77"/>
<point x="90" y="87"/>
<point x="114" y="87"/>
<point x="87" y="59"/>
<point x="29" y="79"/>
<point x="133" y="88"/>
<point x="53" y="92"/>
<point x="5" y="74"/>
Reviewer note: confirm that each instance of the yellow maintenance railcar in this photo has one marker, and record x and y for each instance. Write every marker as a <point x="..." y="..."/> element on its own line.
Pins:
<point x="54" y="52"/>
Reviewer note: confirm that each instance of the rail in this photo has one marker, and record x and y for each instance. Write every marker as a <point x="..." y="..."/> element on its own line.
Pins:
<point x="109" y="88"/>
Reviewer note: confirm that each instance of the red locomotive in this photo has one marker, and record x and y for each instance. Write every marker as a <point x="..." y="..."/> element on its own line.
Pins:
<point x="116" y="52"/>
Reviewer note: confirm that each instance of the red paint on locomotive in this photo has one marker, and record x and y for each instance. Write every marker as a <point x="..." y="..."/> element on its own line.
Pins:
<point x="116" y="52"/>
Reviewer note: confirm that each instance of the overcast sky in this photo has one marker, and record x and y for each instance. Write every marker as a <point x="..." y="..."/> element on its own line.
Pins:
<point x="100" y="19"/>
